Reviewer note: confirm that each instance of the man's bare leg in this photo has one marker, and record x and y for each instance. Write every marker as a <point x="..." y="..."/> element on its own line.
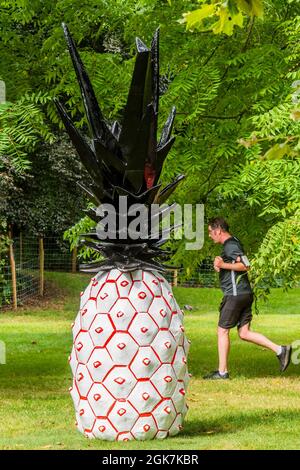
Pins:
<point x="257" y="338"/>
<point x="223" y="349"/>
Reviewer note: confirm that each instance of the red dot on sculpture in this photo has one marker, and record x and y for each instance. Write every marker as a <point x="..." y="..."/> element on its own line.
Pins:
<point x="168" y="378"/>
<point x="119" y="380"/>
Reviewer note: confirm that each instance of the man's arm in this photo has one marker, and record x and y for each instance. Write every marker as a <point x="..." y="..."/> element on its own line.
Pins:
<point x="237" y="266"/>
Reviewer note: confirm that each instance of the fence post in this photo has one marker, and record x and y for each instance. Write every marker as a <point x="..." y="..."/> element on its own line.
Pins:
<point x="13" y="270"/>
<point x="74" y="259"/>
<point x="2" y="92"/>
<point x="175" y="278"/>
<point x="21" y="249"/>
<point x="42" y="264"/>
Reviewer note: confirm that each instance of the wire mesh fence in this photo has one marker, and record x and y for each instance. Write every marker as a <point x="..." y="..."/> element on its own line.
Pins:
<point x="32" y="256"/>
<point x="205" y="276"/>
<point x="28" y="269"/>
<point x="57" y="255"/>
<point x="27" y="284"/>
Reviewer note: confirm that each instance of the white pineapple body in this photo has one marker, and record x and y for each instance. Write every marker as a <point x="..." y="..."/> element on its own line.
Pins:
<point x="129" y="358"/>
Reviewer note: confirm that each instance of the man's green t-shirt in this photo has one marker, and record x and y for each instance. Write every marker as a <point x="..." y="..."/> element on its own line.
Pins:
<point x="234" y="282"/>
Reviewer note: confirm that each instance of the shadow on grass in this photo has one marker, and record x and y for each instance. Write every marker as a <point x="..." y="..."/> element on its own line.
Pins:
<point x="244" y="362"/>
<point x="236" y="422"/>
<point x="247" y="371"/>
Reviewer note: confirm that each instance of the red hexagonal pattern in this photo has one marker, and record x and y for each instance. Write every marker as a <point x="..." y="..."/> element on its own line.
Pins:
<point x="143" y="329"/>
<point x="99" y="364"/>
<point x="101" y="329"/>
<point x="145" y="363"/>
<point x="100" y="400"/>
<point x="129" y="358"/>
<point x="144" y="397"/>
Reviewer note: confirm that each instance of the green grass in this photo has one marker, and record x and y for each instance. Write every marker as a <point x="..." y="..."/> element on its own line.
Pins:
<point x="257" y="409"/>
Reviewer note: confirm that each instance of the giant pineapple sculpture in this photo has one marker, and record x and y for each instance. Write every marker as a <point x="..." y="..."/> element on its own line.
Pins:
<point x="129" y="355"/>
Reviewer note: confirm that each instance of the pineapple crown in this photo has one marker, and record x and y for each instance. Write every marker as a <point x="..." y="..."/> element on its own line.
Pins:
<point x="125" y="160"/>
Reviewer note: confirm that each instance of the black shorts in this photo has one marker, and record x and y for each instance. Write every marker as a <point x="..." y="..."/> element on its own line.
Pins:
<point x="235" y="310"/>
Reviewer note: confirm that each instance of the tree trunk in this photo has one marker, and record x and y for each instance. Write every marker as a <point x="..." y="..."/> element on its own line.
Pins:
<point x="74" y="260"/>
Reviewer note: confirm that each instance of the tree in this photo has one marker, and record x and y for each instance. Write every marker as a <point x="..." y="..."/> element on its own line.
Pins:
<point x="229" y="91"/>
<point x="221" y="16"/>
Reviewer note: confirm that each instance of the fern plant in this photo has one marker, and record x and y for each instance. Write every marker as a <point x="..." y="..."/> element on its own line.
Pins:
<point x="278" y="258"/>
<point x="22" y="127"/>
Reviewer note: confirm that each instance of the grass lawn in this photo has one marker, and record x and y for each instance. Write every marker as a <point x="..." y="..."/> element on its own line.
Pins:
<point x="257" y="409"/>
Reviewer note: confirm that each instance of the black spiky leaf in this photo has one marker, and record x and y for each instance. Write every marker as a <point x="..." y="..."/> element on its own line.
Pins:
<point x="124" y="160"/>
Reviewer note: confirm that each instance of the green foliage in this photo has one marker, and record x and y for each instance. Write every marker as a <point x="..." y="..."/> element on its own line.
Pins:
<point x="22" y="128"/>
<point x="270" y="182"/>
<point x="278" y="257"/>
<point x="237" y="123"/>
<point x="229" y="13"/>
<point x="47" y="200"/>
<point x="73" y="234"/>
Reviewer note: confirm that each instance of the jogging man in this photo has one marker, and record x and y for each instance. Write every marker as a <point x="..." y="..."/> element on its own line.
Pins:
<point x="235" y="308"/>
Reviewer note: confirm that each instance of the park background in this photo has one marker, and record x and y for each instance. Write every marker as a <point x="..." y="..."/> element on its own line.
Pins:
<point x="233" y="71"/>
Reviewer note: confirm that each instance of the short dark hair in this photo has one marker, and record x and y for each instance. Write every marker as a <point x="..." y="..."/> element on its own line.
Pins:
<point x="219" y="222"/>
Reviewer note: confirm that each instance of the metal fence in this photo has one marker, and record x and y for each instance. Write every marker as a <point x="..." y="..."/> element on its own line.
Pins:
<point x="32" y="256"/>
<point x="57" y="255"/>
<point x="204" y="277"/>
